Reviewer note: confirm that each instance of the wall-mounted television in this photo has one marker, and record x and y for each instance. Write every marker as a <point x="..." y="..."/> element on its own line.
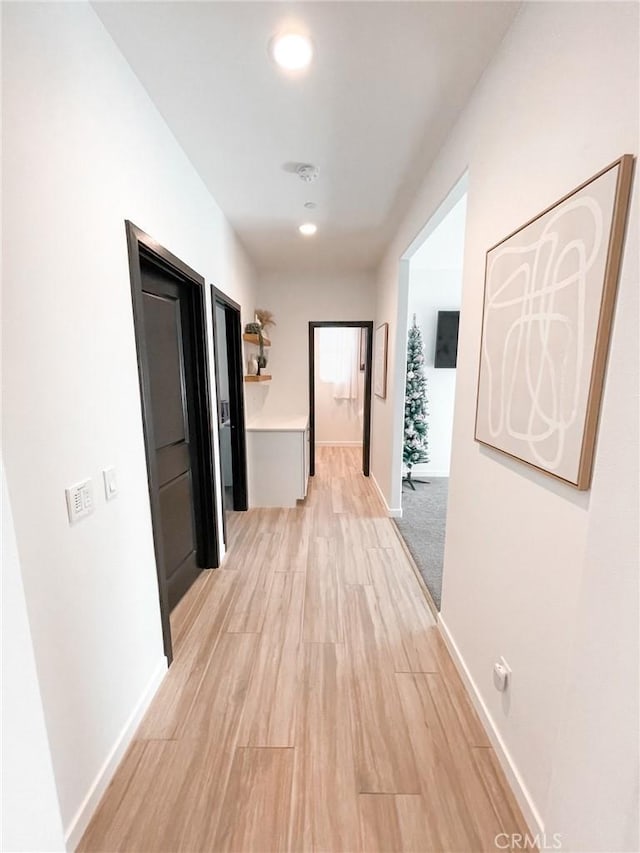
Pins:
<point x="447" y="339"/>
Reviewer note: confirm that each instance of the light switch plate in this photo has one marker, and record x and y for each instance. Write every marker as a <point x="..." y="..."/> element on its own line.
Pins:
<point x="79" y="500"/>
<point x="110" y="483"/>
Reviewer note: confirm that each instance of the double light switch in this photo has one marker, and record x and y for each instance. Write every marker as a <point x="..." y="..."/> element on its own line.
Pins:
<point x="80" y="501"/>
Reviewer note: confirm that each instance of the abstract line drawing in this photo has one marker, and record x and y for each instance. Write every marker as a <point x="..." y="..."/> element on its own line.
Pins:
<point x="548" y="303"/>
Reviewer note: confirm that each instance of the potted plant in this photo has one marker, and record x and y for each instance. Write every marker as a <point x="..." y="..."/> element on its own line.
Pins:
<point x="265" y="320"/>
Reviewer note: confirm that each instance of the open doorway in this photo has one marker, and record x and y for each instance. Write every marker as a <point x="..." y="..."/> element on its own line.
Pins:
<point x="340" y="354"/>
<point x="170" y="333"/>
<point x="433" y="309"/>
<point x="227" y="337"/>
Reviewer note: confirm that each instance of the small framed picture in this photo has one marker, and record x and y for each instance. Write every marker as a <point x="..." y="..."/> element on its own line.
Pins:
<point x="380" y="360"/>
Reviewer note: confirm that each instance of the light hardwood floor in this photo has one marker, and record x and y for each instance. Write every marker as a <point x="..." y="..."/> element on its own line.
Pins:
<point x="311" y="704"/>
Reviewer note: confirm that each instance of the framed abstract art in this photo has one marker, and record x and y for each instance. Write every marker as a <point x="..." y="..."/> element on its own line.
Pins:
<point x="549" y="296"/>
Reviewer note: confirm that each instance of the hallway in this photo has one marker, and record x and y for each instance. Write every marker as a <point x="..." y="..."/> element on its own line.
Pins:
<point x="311" y="704"/>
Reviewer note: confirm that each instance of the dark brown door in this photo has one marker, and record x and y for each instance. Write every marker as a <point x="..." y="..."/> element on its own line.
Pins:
<point x="167" y="333"/>
<point x="227" y="336"/>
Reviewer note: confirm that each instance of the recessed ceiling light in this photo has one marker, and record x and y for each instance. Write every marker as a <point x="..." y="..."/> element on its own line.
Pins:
<point x="308" y="229"/>
<point x="292" y="51"/>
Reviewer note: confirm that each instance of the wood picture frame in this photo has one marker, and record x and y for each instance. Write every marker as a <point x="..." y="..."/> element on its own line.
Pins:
<point x="549" y="297"/>
<point x="380" y="344"/>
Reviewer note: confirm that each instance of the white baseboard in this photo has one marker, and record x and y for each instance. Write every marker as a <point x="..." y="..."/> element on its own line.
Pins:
<point x="338" y="444"/>
<point x="392" y="512"/>
<point x="426" y="471"/>
<point x="79" y="823"/>
<point x="530" y="813"/>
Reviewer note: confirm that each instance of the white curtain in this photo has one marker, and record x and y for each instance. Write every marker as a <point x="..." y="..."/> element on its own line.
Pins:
<point x="338" y="350"/>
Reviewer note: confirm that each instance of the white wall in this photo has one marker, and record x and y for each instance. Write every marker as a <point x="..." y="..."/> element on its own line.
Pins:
<point x="30" y="810"/>
<point x="431" y="291"/>
<point x="435" y="284"/>
<point x="535" y="571"/>
<point x="83" y="149"/>
<point x="295" y="300"/>
<point x="338" y="421"/>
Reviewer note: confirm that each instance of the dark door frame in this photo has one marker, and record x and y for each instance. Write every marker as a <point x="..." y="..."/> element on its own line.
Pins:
<point x="366" y="437"/>
<point x="233" y="329"/>
<point x="141" y="247"/>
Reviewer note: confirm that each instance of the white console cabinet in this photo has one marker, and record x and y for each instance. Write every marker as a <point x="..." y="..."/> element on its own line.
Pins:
<point x="278" y="457"/>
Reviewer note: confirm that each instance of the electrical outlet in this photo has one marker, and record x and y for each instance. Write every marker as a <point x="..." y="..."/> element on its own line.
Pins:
<point x="79" y="500"/>
<point x="501" y="675"/>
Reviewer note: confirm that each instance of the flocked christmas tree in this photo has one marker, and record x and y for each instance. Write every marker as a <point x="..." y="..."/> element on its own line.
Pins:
<point x="415" y="447"/>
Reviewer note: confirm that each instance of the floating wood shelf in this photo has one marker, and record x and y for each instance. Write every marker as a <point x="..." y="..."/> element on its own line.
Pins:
<point x="254" y="339"/>
<point x="264" y="377"/>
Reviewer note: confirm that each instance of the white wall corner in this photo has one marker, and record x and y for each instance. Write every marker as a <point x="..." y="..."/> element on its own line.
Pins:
<point x="392" y="512"/>
<point x="531" y="815"/>
<point x="80" y="821"/>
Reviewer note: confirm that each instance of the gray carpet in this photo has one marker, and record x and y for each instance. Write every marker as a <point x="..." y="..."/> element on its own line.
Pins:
<point x="422" y="525"/>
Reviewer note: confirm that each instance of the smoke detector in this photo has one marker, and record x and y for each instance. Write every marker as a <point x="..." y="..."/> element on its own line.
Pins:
<point x="307" y="173"/>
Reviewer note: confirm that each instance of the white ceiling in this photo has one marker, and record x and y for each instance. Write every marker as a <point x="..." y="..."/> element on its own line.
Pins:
<point x="385" y="86"/>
